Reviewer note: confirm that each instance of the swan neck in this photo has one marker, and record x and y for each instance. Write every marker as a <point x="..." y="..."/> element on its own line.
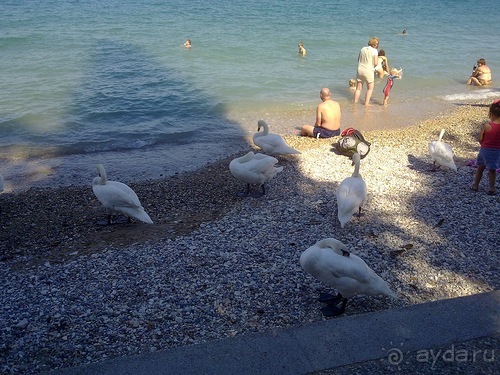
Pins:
<point x="441" y="134"/>
<point x="265" y="127"/>
<point x="356" y="168"/>
<point x="102" y="174"/>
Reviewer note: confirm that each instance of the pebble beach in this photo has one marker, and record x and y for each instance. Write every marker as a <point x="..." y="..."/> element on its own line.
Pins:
<point x="216" y="265"/>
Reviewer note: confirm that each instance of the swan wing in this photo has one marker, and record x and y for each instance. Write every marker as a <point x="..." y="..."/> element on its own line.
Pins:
<point x="444" y="155"/>
<point x="350" y="275"/>
<point x="273" y="144"/>
<point x="110" y="196"/>
<point x="351" y="195"/>
<point x="135" y="212"/>
<point x="127" y="191"/>
<point x="257" y="170"/>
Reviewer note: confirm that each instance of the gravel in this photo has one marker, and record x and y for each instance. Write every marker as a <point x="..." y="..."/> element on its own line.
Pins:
<point x="217" y="265"/>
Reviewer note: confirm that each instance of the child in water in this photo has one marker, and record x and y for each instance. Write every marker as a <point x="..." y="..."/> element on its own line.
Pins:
<point x="395" y="73"/>
<point x="489" y="154"/>
<point x="302" y="50"/>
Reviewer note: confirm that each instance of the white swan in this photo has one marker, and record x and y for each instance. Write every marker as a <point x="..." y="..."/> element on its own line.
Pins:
<point x="118" y="197"/>
<point x="254" y="169"/>
<point x="351" y="194"/>
<point x="441" y="153"/>
<point x="330" y="262"/>
<point x="272" y="144"/>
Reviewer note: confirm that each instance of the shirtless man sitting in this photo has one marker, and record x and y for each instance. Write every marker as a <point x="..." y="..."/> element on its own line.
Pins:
<point x="327" y="118"/>
<point x="481" y="75"/>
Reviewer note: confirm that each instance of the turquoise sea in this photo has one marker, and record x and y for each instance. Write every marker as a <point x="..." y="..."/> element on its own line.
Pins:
<point x="93" y="81"/>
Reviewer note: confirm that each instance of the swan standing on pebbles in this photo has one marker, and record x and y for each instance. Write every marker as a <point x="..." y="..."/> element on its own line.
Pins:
<point x="441" y="153"/>
<point x="330" y="262"/>
<point x="254" y="169"/>
<point x="118" y="197"/>
<point x="351" y="194"/>
<point x="272" y="144"/>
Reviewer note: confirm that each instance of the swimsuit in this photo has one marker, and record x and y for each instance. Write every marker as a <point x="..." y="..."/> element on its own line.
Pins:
<point x="324" y="133"/>
<point x="388" y="85"/>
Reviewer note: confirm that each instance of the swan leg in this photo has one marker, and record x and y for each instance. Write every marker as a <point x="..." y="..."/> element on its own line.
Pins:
<point x="263" y="192"/>
<point x="329" y="298"/>
<point x="333" y="309"/>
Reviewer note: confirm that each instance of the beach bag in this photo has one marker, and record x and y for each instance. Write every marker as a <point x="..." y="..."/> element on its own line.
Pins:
<point x="352" y="141"/>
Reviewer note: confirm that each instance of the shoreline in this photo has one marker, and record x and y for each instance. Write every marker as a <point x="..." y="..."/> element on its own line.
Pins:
<point x="216" y="265"/>
<point x="23" y="171"/>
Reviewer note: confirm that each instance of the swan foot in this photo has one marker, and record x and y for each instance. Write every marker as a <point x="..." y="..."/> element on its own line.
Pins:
<point x="329" y="298"/>
<point x="118" y="220"/>
<point x="246" y="193"/>
<point x="122" y="220"/>
<point x="333" y="309"/>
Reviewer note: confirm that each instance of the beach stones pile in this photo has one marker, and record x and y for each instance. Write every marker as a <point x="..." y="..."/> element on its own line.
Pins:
<point x="217" y="265"/>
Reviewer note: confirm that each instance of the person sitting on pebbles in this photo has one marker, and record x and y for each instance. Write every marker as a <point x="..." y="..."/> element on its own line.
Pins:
<point x="481" y="74"/>
<point x="327" y="118"/>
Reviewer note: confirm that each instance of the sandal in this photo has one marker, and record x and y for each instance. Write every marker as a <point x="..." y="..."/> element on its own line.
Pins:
<point x="491" y="193"/>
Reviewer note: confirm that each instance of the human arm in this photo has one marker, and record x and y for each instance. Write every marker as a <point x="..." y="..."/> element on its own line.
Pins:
<point x="485" y="128"/>
<point x="319" y="116"/>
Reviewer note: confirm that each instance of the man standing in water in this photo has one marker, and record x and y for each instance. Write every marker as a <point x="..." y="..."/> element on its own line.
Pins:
<point x="327" y="118"/>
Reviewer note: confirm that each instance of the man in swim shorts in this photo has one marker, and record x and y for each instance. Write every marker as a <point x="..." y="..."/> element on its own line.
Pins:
<point x="327" y="118"/>
<point x="481" y="74"/>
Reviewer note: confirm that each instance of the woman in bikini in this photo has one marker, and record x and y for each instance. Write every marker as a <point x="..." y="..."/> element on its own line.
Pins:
<point x="481" y="74"/>
<point x="382" y="67"/>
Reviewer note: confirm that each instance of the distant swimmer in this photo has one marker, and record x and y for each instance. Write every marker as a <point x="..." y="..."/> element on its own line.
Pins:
<point x="302" y="50"/>
<point x="187" y="43"/>
<point x="404" y="32"/>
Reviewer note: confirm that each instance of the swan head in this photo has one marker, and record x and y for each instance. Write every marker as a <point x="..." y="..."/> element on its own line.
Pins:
<point x="102" y="178"/>
<point x="262" y="124"/>
<point x="333" y="244"/>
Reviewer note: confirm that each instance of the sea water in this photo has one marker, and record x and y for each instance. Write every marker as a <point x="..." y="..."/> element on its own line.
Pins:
<point x="86" y="82"/>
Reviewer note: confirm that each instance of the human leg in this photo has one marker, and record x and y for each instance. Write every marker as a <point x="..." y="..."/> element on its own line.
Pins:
<point x="369" y="92"/>
<point x="492" y="174"/>
<point x="307" y="130"/>
<point x="474" y="81"/>
<point x="357" y="93"/>
<point x="386" y="98"/>
<point x="477" y="179"/>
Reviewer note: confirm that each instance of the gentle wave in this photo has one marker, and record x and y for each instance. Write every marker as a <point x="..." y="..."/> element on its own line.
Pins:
<point x="477" y="95"/>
